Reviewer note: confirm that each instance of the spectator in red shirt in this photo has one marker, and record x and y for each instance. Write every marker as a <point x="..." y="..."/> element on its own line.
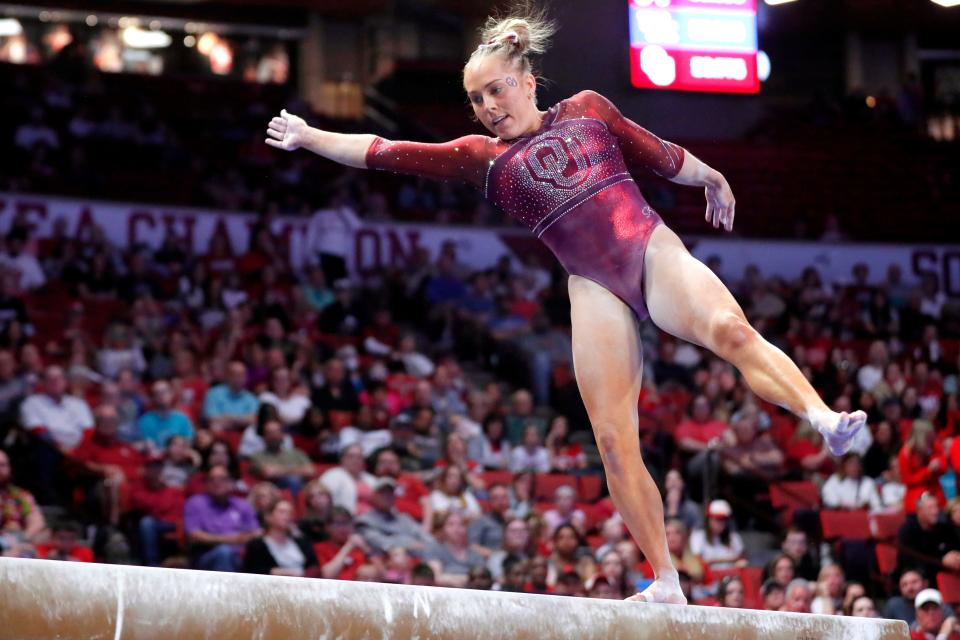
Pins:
<point x="564" y="455"/>
<point x="345" y="551"/>
<point x="921" y="463"/>
<point x="190" y="388"/>
<point x="114" y="463"/>
<point x="160" y="508"/>
<point x="64" y="544"/>
<point x="696" y="437"/>
<point x="807" y="453"/>
<point x="694" y="434"/>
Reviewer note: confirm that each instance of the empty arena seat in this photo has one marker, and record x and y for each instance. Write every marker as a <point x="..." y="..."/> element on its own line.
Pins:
<point x="790" y="496"/>
<point x="886" y="525"/>
<point x="949" y="585"/>
<point x="496" y="476"/>
<point x="590" y="487"/>
<point x="886" y="558"/>
<point x="548" y="483"/>
<point x="849" y="525"/>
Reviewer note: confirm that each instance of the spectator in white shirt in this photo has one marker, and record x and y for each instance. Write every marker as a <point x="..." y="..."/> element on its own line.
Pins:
<point x="120" y="351"/>
<point x="53" y="414"/>
<point x="531" y="455"/>
<point x="718" y="545"/>
<point x="494" y="446"/>
<point x="848" y="488"/>
<point x="871" y="374"/>
<point x="291" y="401"/>
<point x="349" y="484"/>
<point x="26" y="265"/>
<point x="59" y="422"/>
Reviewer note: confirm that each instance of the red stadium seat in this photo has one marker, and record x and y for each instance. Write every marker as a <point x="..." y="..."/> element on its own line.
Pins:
<point x="949" y="586"/>
<point x="791" y="496"/>
<point x="886" y="558"/>
<point x="849" y="525"/>
<point x="752" y="578"/>
<point x="548" y="483"/>
<point x="493" y="477"/>
<point x="589" y="487"/>
<point x="886" y="525"/>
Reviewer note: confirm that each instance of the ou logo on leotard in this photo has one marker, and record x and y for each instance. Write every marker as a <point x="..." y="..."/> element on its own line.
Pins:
<point x="560" y="161"/>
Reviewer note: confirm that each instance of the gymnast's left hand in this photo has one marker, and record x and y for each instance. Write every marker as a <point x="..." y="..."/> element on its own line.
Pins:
<point x="720" y="203"/>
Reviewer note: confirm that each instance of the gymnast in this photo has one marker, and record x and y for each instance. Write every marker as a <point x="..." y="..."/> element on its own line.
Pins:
<point x="566" y="174"/>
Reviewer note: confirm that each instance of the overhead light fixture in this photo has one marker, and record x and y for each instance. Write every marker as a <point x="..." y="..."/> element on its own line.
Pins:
<point x="10" y="27"/>
<point x="138" y="38"/>
<point x="207" y="42"/>
<point x="221" y="58"/>
<point x="92" y="20"/>
<point x="947" y="3"/>
<point x="775" y="2"/>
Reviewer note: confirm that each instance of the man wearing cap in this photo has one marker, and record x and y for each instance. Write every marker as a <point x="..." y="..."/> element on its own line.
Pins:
<point x="384" y="527"/>
<point x="932" y="623"/>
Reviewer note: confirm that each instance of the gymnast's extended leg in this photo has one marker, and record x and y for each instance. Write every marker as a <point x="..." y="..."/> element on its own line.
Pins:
<point x="687" y="300"/>
<point x="608" y="365"/>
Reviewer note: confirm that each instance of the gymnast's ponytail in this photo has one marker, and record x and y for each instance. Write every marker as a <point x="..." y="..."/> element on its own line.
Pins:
<point x="519" y="33"/>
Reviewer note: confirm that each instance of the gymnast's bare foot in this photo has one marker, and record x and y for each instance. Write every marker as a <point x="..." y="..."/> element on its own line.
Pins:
<point x="665" y="590"/>
<point x="838" y="429"/>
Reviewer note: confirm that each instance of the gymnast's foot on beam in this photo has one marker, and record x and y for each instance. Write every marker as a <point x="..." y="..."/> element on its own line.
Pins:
<point x="665" y="590"/>
<point x="838" y="429"/>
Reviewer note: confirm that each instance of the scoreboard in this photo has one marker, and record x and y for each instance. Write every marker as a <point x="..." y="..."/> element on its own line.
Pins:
<point x="694" y="45"/>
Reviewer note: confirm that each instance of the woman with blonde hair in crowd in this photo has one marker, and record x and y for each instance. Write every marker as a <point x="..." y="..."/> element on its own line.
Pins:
<point x="317" y="510"/>
<point x="829" y="590"/>
<point x="567" y="173"/>
<point x="921" y="462"/>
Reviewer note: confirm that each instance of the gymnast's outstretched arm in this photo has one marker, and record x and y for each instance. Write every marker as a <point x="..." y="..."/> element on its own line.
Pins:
<point x="645" y="151"/>
<point x="289" y="133"/>
<point x="464" y="158"/>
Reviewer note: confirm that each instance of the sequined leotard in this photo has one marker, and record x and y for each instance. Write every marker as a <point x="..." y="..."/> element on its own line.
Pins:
<point x="569" y="182"/>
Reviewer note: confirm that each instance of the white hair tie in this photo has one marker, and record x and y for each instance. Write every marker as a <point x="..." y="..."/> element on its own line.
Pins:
<point x="509" y="36"/>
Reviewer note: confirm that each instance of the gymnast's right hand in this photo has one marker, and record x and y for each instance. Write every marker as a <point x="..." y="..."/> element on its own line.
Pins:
<point x="287" y="132"/>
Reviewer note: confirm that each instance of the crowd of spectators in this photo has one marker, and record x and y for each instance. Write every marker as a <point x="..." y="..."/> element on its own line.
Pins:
<point x="173" y="409"/>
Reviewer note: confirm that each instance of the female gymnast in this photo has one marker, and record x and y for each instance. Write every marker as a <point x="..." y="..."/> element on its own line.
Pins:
<point x="566" y="173"/>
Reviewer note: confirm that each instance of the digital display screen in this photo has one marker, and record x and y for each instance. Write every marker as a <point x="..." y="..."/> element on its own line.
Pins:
<point x="694" y="45"/>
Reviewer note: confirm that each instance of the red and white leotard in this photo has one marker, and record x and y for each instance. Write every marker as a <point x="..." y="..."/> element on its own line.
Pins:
<point x="569" y="182"/>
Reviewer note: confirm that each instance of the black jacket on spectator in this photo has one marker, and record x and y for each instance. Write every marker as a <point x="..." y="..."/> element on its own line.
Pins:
<point x="344" y="398"/>
<point x="924" y="548"/>
<point x="258" y="558"/>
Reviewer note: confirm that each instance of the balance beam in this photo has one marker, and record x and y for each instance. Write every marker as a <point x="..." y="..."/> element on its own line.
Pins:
<point x="68" y="600"/>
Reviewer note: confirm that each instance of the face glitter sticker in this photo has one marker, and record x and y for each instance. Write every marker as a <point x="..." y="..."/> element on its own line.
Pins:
<point x="511" y="82"/>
